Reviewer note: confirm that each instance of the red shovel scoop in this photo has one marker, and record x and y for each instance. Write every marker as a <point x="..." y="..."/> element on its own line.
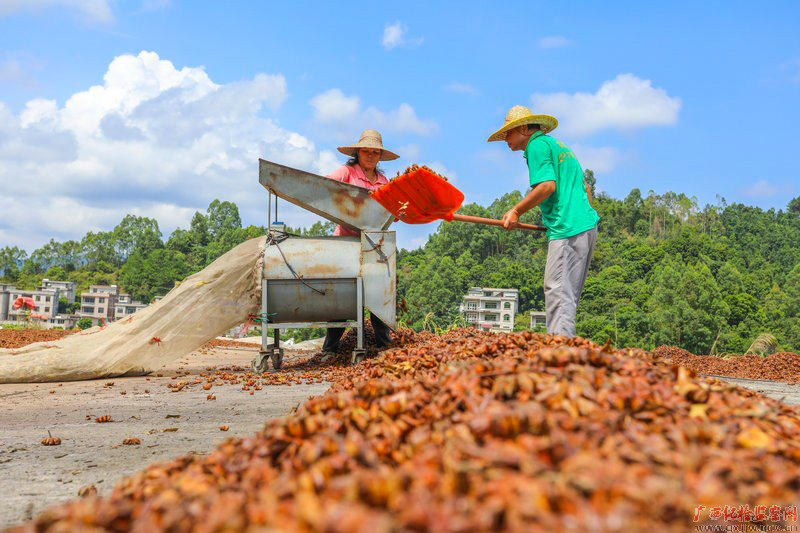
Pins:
<point x="420" y="196"/>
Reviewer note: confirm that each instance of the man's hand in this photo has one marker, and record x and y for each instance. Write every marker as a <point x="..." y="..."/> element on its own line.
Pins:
<point x="511" y="219"/>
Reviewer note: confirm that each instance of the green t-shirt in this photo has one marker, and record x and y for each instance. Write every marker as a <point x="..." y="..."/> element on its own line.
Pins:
<point x="567" y="211"/>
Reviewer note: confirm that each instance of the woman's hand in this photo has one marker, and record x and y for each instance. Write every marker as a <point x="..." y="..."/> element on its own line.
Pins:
<point x="511" y="219"/>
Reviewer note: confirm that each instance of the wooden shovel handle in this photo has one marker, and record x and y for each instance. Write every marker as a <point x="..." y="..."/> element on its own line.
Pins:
<point x="494" y="222"/>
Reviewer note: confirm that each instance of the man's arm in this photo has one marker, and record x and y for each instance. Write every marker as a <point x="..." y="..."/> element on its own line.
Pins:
<point x="536" y="196"/>
<point x="588" y="192"/>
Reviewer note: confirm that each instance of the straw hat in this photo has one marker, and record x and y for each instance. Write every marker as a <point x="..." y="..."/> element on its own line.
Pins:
<point x="519" y="115"/>
<point x="369" y="139"/>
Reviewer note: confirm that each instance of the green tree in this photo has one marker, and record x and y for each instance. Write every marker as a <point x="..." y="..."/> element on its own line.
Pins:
<point x="591" y="181"/>
<point x="99" y="246"/>
<point x="223" y="217"/>
<point x="136" y="234"/>
<point x="320" y="229"/>
<point x="145" y="277"/>
<point x="11" y="258"/>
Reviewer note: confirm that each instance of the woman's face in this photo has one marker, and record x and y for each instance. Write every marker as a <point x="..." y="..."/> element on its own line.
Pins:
<point x="368" y="157"/>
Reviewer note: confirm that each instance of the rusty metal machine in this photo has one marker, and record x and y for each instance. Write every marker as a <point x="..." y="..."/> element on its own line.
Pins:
<point x="324" y="282"/>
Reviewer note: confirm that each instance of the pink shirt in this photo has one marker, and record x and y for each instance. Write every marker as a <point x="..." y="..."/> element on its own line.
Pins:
<point x="354" y="175"/>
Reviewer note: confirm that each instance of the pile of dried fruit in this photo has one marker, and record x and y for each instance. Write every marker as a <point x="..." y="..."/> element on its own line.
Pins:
<point x="476" y="432"/>
<point x="17" y="338"/>
<point x="414" y="167"/>
<point x="783" y="366"/>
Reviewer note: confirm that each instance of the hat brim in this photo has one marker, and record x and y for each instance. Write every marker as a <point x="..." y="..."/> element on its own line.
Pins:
<point x="546" y="123"/>
<point x="386" y="155"/>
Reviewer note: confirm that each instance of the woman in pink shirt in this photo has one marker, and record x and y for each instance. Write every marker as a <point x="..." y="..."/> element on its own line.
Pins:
<point x="361" y="170"/>
<point x="362" y="167"/>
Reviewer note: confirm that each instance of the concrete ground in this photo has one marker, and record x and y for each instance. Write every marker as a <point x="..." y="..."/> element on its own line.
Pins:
<point x="168" y="424"/>
<point x="788" y="394"/>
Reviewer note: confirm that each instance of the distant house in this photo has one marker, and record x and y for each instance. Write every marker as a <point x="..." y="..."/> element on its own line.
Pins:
<point x="99" y="303"/>
<point x="5" y="300"/>
<point x="45" y="297"/>
<point x="126" y="306"/>
<point x="491" y="309"/>
<point x="538" y="319"/>
<point x="65" y="288"/>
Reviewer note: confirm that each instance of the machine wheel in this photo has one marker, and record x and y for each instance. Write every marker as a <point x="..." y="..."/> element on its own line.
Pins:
<point x="261" y="362"/>
<point x="358" y="356"/>
<point x="277" y="359"/>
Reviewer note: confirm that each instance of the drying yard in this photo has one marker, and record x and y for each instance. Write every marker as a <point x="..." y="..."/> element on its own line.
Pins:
<point x="461" y="432"/>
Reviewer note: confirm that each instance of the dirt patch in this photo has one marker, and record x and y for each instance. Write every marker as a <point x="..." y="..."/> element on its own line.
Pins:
<point x="17" y="338"/>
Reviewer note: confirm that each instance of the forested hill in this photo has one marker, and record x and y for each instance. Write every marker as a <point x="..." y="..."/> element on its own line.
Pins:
<point x="664" y="271"/>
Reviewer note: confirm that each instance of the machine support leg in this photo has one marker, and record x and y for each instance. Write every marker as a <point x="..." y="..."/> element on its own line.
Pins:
<point x="264" y="332"/>
<point x="359" y="353"/>
<point x="261" y="361"/>
<point x="277" y="351"/>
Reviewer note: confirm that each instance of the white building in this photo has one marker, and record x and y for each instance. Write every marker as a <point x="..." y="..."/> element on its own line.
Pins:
<point x="66" y="288"/>
<point x="491" y="309"/>
<point x="99" y="303"/>
<point x="127" y="307"/>
<point x="46" y="300"/>
<point x="538" y="319"/>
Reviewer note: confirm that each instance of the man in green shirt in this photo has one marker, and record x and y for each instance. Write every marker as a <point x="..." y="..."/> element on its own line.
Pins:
<point x="561" y="192"/>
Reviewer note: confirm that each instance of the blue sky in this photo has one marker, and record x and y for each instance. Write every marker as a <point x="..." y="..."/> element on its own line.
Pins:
<point x="157" y="107"/>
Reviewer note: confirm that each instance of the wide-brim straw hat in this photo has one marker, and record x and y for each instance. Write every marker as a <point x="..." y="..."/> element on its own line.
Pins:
<point x="369" y="139"/>
<point x="519" y="115"/>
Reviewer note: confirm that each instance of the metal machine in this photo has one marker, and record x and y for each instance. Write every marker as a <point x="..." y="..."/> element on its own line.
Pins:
<point x="324" y="281"/>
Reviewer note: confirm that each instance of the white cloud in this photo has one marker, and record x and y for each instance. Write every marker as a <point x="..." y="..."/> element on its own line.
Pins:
<point x="91" y="11"/>
<point x="554" y="42"/>
<point x="764" y="189"/>
<point x="343" y="117"/>
<point x="598" y="159"/>
<point x="624" y="103"/>
<point x="327" y="162"/>
<point x="407" y="151"/>
<point x="442" y="170"/>
<point x="333" y="106"/>
<point x="463" y="88"/>
<point x="403" y="119"/>
<point x="395" y="35"/>
<point x="152" y="140"/>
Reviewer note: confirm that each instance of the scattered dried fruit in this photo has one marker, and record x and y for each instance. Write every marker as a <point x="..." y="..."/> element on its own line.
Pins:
<point x="103" y="419"/>
<point x="88" y="490"/>
<point x="224" y="428"/>
<point x="131" y="441"/>
<point x="50" y="440"/>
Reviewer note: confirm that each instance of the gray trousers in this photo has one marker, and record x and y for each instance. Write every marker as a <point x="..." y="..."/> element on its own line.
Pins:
<point x="564" y="275"/>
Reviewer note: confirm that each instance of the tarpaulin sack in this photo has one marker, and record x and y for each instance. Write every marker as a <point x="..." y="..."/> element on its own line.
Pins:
<point x="204" y="306"/>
